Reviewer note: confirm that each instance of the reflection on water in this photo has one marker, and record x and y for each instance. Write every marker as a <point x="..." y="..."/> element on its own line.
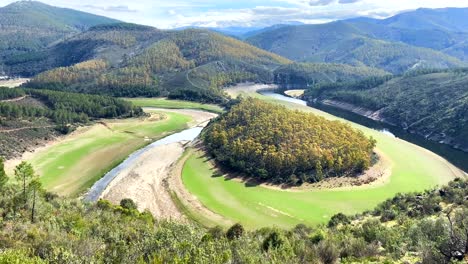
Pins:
<point x="97" y="189"/>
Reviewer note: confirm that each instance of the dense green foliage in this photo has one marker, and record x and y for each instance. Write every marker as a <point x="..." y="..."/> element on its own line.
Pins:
<point x="359" y="44"/>
<point x="269" y="142"/>
<point x="65" y="108"/>
<point x="31" y="26"/>
<point x="304" y="75"/>
<point x="6" y="93"/>
<point x="69" y="231"/>
<point x="27" y="122"/>
<point x="131" y="60"/>
<point x="431" y="103"/>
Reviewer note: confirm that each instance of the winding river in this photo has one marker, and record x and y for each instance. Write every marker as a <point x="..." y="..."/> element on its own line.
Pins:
<point x="95" y="192"/>
<point x="98" y="188"/>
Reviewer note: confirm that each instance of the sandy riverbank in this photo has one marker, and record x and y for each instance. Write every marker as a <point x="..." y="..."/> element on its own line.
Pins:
<point x="146" y="180"/>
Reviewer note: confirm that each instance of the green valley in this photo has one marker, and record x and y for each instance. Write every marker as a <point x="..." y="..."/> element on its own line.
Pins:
<point x="416" y="170"/>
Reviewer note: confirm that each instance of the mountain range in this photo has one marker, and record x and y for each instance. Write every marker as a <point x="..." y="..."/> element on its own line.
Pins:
<point x="31" y="26"/>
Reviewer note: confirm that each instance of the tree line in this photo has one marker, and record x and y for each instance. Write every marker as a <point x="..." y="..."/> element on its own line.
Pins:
<point x="66" y="108"/>
<point x="270" y="142"/>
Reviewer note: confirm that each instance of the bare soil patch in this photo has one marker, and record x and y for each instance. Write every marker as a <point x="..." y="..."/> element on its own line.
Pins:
<point x="13" y="82"/>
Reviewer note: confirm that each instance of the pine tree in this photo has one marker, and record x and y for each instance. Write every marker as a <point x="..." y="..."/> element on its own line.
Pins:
<point x="3" y="176"/>
<point x="23" y="173"/>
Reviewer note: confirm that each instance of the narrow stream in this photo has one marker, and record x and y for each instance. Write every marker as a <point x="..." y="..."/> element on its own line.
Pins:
<point x="454" y="156"/>
<point x="98" y="188"/>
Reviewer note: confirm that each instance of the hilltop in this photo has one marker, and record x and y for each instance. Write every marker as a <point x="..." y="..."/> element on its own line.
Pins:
<point x="31" y="26"/>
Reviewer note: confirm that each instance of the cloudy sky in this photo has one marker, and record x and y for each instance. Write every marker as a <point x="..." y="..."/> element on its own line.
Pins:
<point x="220" y="13"/>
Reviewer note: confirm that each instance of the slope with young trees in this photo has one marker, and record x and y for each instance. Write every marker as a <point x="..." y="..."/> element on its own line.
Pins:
<point x="132" y="60"/>
<point x="304" y="75"/>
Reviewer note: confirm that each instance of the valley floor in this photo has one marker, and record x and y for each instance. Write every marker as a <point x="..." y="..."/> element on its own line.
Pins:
<point x="71" y="164"/>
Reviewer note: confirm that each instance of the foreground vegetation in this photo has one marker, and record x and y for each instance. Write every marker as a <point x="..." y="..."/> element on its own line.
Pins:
<point x="271" y="143"/>
<point x="38" y="227"/>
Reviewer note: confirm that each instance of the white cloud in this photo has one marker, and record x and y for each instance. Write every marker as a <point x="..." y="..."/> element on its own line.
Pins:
<point x="175" y="13"/>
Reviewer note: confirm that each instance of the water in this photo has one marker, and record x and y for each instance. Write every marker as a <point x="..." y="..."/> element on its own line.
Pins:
<point x="284" y="98"/>
<point x="456" y="157"/>
<point x="96" y="191"/>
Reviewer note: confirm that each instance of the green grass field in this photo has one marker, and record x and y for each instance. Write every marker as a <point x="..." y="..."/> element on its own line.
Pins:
<point x="413" y="169"/>
<point x="174" y="104"/>
<point x="74" y="164"/>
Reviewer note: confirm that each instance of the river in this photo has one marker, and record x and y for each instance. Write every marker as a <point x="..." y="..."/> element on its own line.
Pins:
<point x="457" y="157"/>
<point x="98" y="188"/>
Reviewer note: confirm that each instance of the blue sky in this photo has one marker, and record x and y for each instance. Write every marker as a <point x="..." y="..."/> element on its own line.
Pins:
<point x="258" y="13"/>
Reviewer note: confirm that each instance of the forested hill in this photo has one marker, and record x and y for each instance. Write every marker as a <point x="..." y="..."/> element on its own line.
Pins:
<point x="432" y="104"/>
<point x="351" y="43"/>
<point x="133" y="60"/>
<point x="30" y="25"/>
<point x="303" y="75"/>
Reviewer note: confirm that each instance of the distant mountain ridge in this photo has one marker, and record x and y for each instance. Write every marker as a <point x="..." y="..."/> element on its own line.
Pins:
<point x="346" y="42"/>
<point x="31" y="26"/>
<point x="133" y="60"/>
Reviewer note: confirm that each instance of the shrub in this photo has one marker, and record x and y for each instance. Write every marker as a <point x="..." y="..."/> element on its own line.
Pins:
<point x="338" y="219"/>
<point x="274" y="240"/>
<point x="128" y="204"/>
<point x="235" y="231"/>
<point x="327" y="252"/>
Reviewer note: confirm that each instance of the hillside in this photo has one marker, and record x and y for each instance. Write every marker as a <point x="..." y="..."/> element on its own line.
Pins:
<point x="345" y="42"/>
<point x="433" y="104"/>
<point x="304" y="75"/>
<point x="31" y="26"/>
<point x="132" y="60"/>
